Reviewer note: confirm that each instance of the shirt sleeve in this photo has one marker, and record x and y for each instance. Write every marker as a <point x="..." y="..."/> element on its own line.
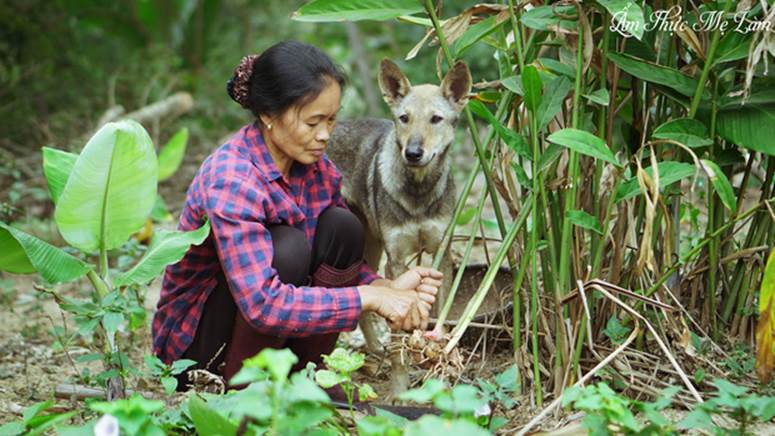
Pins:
<point x="236" y="209"/>
<point x="366" y="274"/>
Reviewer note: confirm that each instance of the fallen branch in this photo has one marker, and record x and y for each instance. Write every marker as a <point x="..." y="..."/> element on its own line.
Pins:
<point x="79" y="392"/>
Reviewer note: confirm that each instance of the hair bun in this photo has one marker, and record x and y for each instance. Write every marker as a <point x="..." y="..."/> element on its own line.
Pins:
<point x="238" y="87"/>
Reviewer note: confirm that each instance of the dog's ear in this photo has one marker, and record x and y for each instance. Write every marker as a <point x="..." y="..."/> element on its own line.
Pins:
<point x="392" y="82"/>
<point x="457" y="85"/>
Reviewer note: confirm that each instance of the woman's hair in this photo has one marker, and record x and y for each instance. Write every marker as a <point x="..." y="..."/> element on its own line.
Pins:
<point x="287" y="74"/>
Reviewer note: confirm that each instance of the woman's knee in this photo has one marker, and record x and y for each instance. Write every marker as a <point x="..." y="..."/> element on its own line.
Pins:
<point x="339" y="238"/>
<point x="292" y="255"/>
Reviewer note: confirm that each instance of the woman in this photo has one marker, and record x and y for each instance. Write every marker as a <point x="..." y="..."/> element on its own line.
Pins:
<point x="283" y="265"/>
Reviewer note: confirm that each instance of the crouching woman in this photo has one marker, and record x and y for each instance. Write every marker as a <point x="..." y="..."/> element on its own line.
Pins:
<point x="283" y="265"/>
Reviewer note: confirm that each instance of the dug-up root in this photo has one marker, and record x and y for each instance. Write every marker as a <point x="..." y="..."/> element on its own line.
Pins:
<point x="429" y="355"/>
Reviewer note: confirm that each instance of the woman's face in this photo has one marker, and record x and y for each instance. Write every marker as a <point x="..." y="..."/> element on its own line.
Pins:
<point x="301" y="133"/>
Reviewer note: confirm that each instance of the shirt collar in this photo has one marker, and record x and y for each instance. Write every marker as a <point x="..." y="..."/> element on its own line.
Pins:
<point x="262" y="159"/>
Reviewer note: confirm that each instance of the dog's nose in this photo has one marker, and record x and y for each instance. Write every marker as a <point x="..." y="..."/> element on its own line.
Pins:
<point x="413" y="154"/>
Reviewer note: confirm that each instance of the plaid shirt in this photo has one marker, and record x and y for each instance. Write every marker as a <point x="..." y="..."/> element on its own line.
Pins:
<point x="240" y="190"/>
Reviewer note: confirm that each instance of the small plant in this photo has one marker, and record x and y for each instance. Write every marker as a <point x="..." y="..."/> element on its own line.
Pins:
<point x="34" y="421"/>
<point x="461" y="403"/>
<point x="274" y="402"/>
<point x="610" y="413"/>
<point x="166" y="373"/>
<point x="341" y="365"/>
<point x="102" y="196"/>
<point x="615" y="331"/>
<point x="503" y="388"/>
<point x="732" y="400"/>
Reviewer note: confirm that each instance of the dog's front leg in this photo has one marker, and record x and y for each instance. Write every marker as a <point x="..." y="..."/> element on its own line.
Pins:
<point x="399" y="377"/>
<point x="369" y="322"/>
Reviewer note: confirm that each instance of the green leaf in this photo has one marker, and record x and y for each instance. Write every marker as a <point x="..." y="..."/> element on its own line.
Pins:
<point x="767" y="290"/>
<point x="277" y="362"/>
<point x="654" y="73"/>
<point x="170" y="384"/>
<point x="376" y="426"/>
<point x="556" y="91"/>
<point x="687" y="131"/>
<point x="208" y="421"/>
<point x="13" y="257"/>
<point x="57" y="165"/>
<point x="721" y="185"/>
<point x="584" y="220"/>
<point x="23" y="253"/>
<point x="558" y="67"/>
<point x="181" y="365"/>
<point x="531" y="83"/>
<point x="475" y="33"/>
<point x="665" y="398"/>
<point x="467" y="399"/>
<point x="354" y="10"/>
<point x="732" y="47"/>
<point x="543" y="17"/>
<point x="425" y="393"/>
<point x="615" y="330"/>
<point x="154" y="364"/>
<point x="12" y="428"/>
<point x="584" y="143"/>
<point x="327" y="379"/>
<point x="366" y="392"/>
<point x="433" y="425"/>
<point x="302" y="418"/>
<point x="696" y="419"/>
<point x="111" y="189"/>
<point x="513" y="84"/>
<point x="112" y="321"/>
<point x="514" y="140"/>
<point x="466" y="216"/>
<point x="507" y="380"/>
<point x="550" y="154"/>
<point x="248" y="375"/>
<point x="303" y="389"/>
<point x="522" y="177"/>
<point x="600" y="97"/>
<point x="171" y="155"/>
<point x="166" y="248"/>
<point x="744" y="124"/>
<point x="626" y="11"/>
<point x="91" y="357"/>
<point x="160" y="212"/>
<point x="344" y="361"/>
<point x="35" y="410"/>
<point x="669" y="173"/>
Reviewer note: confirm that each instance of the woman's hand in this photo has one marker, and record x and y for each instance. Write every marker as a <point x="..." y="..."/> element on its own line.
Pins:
<point x="425" y="281"/>
<point x="402" y="308"/>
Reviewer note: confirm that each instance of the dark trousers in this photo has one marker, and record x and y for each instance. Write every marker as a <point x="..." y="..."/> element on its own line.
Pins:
<point x="224" y="338"/>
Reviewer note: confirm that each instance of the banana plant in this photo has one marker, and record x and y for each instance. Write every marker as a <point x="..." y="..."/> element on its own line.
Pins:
<point x="102" y="196"/>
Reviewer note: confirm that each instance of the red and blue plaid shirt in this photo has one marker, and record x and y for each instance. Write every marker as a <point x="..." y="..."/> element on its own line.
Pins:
<point x="240" y="190"/>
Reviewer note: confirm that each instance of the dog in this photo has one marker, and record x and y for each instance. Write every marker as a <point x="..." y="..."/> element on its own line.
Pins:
<point x="397" y="177"/>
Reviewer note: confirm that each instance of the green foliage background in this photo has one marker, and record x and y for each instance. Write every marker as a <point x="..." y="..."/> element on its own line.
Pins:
<point x="64" y="62"/>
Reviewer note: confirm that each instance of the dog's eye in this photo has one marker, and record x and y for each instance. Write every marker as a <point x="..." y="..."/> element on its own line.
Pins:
<point x="404" y="118"/>
<point x="436" y="119"/>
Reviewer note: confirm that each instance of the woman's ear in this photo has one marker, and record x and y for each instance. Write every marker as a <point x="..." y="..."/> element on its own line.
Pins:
<point x="266" y="121"/>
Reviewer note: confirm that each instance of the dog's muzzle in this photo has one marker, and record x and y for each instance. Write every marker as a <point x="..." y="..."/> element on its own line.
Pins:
<point x="413" y="155"/>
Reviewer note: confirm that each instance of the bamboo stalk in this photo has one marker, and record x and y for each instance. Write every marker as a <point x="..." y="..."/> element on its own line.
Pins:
<point x="707" y="65"/>
<point x="471" y="123"/>
<point x="489" y="277"/>
<point x="462" y="268"/>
